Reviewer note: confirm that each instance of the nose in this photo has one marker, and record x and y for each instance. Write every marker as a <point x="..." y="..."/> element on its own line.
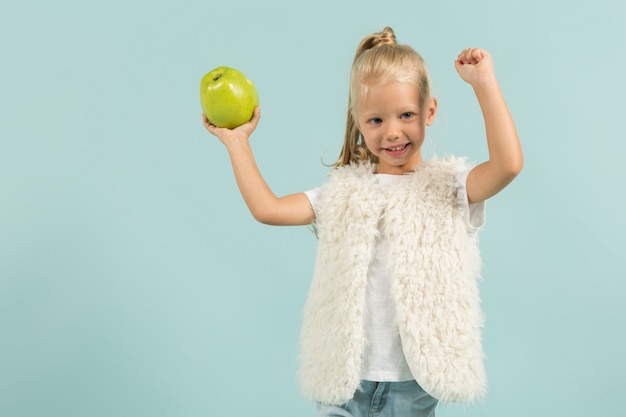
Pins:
<point x="393" y="131"/>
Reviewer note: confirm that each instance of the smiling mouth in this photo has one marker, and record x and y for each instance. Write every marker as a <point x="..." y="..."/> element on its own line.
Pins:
<point x="398" y="148"/>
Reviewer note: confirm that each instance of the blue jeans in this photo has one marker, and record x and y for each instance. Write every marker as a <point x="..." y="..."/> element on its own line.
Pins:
<point x="384" y="399"/>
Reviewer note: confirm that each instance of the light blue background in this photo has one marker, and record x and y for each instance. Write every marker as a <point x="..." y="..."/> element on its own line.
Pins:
<point x="133" y="281"/>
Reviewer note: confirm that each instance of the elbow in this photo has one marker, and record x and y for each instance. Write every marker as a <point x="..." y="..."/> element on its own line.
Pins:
<point x="262" y="216"/>
<point x="512" y="169"/>
<point x="518" y="164"/>
<point x="515" y="167"/>
<point x="267" y="216"/>
<point x="511" y="160"/>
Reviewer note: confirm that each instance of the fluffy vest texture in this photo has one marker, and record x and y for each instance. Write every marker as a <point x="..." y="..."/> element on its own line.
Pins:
<point x="434" y="265"/>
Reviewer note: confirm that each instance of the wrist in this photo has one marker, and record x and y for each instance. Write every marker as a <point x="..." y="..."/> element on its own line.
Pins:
<point x="236" y="143"/>
<point x="485" y="82"/>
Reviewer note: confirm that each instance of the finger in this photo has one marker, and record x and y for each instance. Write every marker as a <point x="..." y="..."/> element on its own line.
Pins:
<point x="464" y="56"/>
<point x="251" y="125"/>
<point x="205" y="120"/>
<point x="256" y="116"/>
<point x="477" y="55"/>
<point x="208" y="125"/>
<point x="469" y="56"/>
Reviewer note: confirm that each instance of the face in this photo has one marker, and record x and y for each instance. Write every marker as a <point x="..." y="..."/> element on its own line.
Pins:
<point x="393" y="125"/>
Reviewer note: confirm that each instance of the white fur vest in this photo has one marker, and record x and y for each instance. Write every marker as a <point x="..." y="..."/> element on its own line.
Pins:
<point x="434" y="264"/>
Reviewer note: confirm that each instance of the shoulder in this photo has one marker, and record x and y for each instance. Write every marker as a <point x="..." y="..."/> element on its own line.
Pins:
<point x="346" y="180"/>
<point x="339" y="182"/>
<point x="441" y="172"/>
<point x="450" y="164"/>
<point x="352" y="171"/>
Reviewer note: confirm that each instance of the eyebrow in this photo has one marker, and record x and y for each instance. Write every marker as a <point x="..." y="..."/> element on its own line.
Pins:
<point x="408" y="109"/>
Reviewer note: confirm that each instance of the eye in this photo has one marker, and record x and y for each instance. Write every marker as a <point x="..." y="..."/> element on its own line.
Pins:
<point x="375" y="120"/>
<point x="407" y="115"/>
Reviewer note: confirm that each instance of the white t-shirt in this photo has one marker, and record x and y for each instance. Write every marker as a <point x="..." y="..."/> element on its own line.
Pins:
<point x="383" y="358"/>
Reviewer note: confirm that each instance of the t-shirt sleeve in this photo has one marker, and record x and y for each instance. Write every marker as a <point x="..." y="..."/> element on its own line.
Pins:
<point x="474" y="214"/>
<point x="314" y="197"/>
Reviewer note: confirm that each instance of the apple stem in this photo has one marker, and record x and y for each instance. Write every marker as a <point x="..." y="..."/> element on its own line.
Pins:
<point x="217" y="77"/>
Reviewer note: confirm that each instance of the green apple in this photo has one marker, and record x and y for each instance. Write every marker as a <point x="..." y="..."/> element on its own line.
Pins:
<point x="228" y="98"/>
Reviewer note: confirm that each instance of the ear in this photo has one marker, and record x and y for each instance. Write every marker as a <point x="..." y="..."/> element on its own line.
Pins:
<point x="431" y="111"/>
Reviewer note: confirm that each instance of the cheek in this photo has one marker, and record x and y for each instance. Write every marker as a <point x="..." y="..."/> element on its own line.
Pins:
<point x="417" y="132"/>
<point x="370" y="143"/>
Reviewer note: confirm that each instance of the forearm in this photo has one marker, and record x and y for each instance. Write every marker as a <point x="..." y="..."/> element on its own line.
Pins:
<point x="503" y="144"/>
<point x="290" y="210"/>
<point x="253" y="187"/>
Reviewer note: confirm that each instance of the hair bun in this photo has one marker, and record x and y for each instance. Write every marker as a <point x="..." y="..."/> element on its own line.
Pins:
<point x="386" y="37"/>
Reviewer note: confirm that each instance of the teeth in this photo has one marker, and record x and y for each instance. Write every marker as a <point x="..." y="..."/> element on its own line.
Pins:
<point x="397" y="148"/>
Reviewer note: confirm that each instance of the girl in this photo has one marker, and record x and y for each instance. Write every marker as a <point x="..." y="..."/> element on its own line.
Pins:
<point x="392" y="323"/>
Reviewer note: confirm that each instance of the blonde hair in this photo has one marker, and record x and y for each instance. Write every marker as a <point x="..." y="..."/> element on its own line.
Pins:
<point x="379" y="60"/>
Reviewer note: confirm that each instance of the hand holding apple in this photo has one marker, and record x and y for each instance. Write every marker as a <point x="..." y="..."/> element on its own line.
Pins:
<point x="233" y="136"/>
<point x="228" y="98"/>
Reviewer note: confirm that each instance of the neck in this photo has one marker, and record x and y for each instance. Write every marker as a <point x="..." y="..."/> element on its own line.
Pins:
<point x="410" y="166"/>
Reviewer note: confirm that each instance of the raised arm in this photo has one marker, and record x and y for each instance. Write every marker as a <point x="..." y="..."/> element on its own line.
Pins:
<point x="293" y="209"/>
<point x="475" y="66"/>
